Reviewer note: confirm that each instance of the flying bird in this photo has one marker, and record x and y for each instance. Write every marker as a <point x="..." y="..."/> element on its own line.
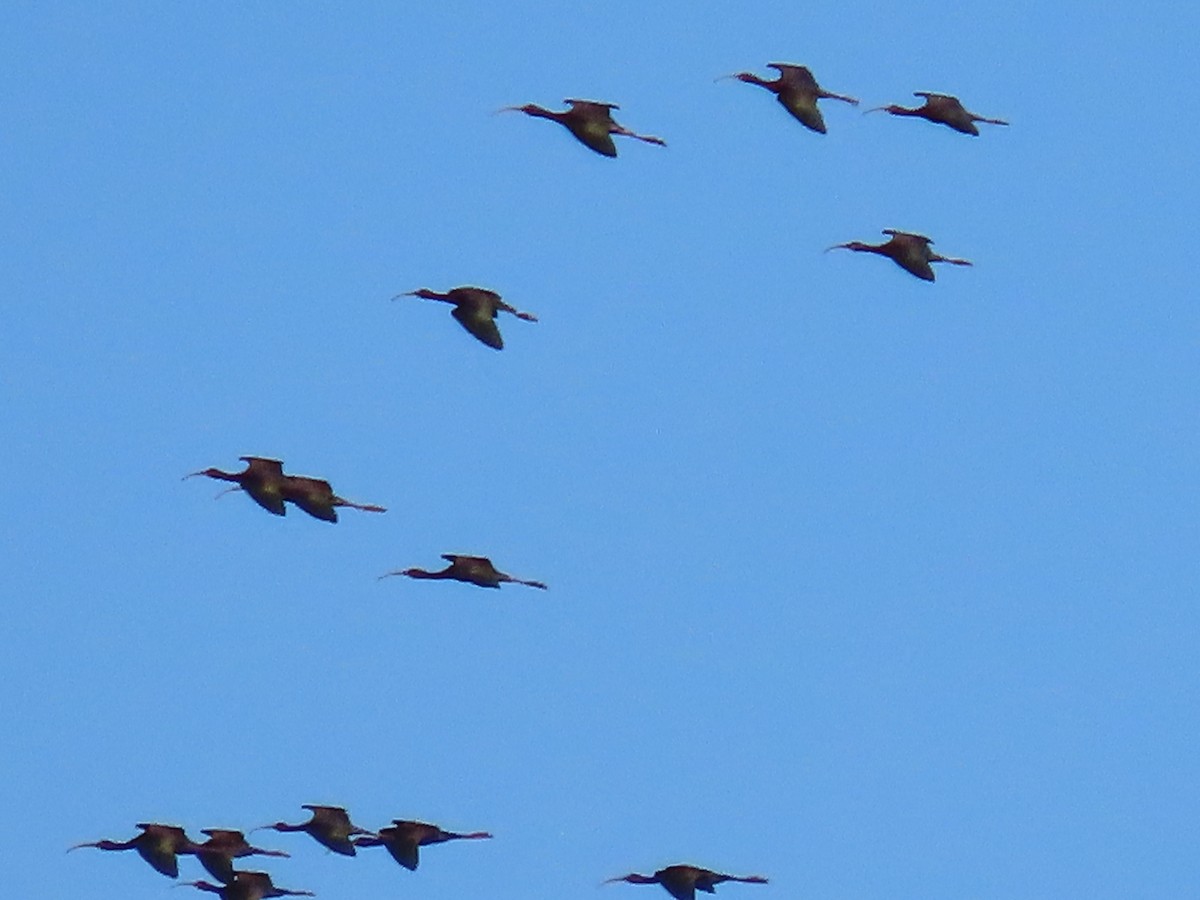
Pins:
<point x="159" y="845"/>
<point x="682" y="882"/>
<point x="477" y="570"/>
<point x="247" y="886"/>
<point x="475" y="309"/>
<point x="797" y="90"/>
<point x="909" y="251"/>
<point x="404" y="839"/>
<point x="590" y="121"/>
<point x="942" y="109"/>
<point x="316" y="497"/>
<point x="223" y="846"/>
<point x="329" y="825"/>
<point x="264" y="480"/>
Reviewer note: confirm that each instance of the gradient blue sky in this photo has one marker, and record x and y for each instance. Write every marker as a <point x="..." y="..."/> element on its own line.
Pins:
<point x="882" y="589"/>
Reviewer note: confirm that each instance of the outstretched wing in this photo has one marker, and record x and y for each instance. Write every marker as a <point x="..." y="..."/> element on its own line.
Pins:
<point x="480" y="322"/>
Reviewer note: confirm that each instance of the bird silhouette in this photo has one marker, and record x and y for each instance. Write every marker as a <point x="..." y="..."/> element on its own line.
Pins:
<point x="477" y="570"/>
<point x="316" y="497"/>
<point x="264" y="480"/>
<point x="797" y="90"/>
<point x="329" y="825"/>
<point x="590" y="121"/>
<point x="247" y="886"/>
<point x="223" y="846"/>
<point x="475" y="309"/>
<point x="942" y="109"/>
<point x="682" y="881"/>
<point x="159" y="845"/>
<point x="909" y="251"/>
<point x="404" y="838"/>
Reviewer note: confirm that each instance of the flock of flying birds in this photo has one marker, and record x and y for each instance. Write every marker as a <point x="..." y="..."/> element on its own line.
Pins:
<point x="476" y="309"/>
<point x="162" y="845"/>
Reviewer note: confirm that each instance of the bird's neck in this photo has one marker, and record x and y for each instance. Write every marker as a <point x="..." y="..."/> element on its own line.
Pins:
<point x="769" y="84"/>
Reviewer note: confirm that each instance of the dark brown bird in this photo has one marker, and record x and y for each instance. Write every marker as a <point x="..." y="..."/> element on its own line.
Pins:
<point x="475" y="309"/>
<point x="590" y="121"/>
<point x="909" y="251"/>
<point x="247" y="886"/>
<point x="316" y="497"/>
<point x="798" y="91"/>
<point x="329" y="825"/>
<point x="223" y="846"/>
<point x="404" y="838"/>
<point x="942" y="109"/>
<point x="477" y="570"/>
<point x="682" y="882"/>
<point x="264" y="480"/>
<point x="159" y="845"/>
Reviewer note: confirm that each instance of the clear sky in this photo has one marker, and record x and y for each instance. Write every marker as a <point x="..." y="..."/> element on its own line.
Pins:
<point x="882" y="589"/>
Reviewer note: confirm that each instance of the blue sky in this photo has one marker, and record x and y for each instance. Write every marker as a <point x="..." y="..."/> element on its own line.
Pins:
<point x="875" y="587"/>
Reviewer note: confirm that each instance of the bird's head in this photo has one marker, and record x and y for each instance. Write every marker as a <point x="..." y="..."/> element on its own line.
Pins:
<point x="530" y="109"/>
<point x="423" y="293"/>
<point x="632" y="878"/>
<point x="211" y="473"/>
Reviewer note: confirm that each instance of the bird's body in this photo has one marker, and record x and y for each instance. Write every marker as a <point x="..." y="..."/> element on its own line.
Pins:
<point x="798" y="92"/>
<point x="590" y="121"/>
<point x="404" y="838"/>
<point x="942" y="109"/>
<point x="264" y="480"/>
<point x="316" y="497"/>
<point x="475" y="309"/>
<point x="248" y="886"/>
<point x="159" y="845"/>
<point x="329" y="825"/>
<point x="912" y="252"/>
<point x="223" y="846"/>
<point x="477" y="570"/>
<point x="682" y="881"/>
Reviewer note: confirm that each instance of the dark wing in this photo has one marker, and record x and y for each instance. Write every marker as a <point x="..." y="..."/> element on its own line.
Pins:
<point x="480" y="322"/>
<point x="796" y="76"/>
<point x="218" y="863"/>
<point x="908" y="234"/>
<point x="263" y="467"/>
<point x="162" y="858"/>
<point x="803" y="106"/>
<point x="594" y="104"/>
<point x="269" y="499"/>
<point x="402" y="844"/>
<point x="315" y="496"/>
<point x="322" y="511"/>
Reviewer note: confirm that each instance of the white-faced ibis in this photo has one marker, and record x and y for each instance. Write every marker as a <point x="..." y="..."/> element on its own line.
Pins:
<point x="590" y="121"/>
<point x="909" y="251"/>
<point x="329" y="825"/>
<point x="264" y="480"/>
<point x="682" y="881"/>
<point x="798" y="91"/>
<point x="477" y="570"/>
<point x="159" y="845"/>
<point x="942" y="109"/>
<point x="247" y="886"/>
<point x="475" y="309"/>
<point x="404" y="838"/>
<point x="316" y="497"/>
<point x="223" y="846"/>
